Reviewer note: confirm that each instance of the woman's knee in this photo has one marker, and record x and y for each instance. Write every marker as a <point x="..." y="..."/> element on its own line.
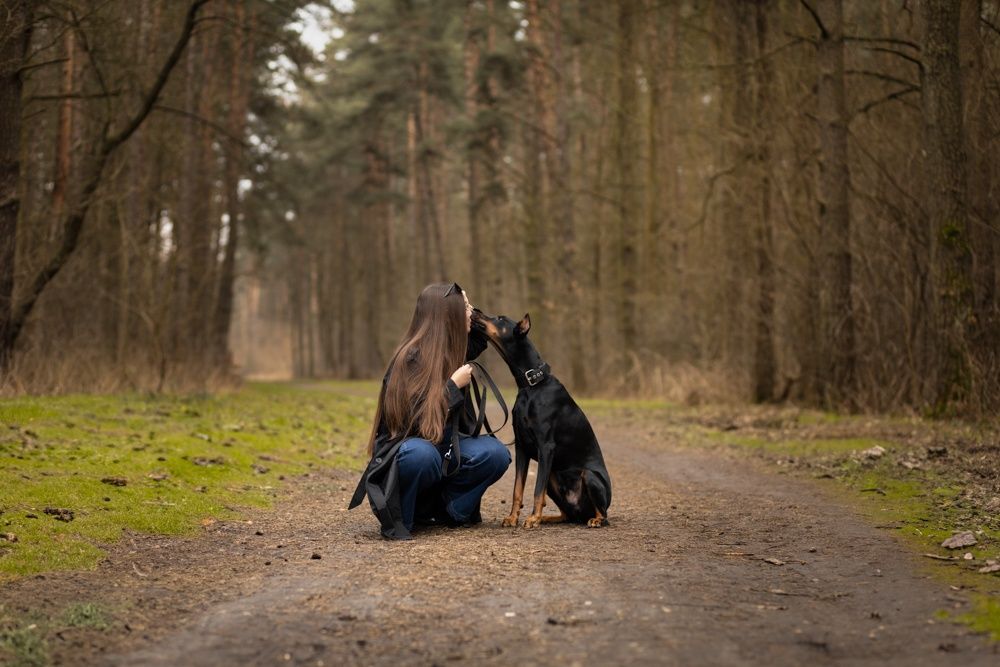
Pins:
<point x="494" y="454"/>
<point x="417" y="455"/>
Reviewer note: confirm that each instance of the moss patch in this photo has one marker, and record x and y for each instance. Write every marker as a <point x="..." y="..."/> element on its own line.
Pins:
<point x="985" y="616"/>
<point x="157" y="464"/>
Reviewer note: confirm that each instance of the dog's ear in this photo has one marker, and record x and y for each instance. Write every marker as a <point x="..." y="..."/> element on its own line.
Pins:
<point x="524" y="326"/>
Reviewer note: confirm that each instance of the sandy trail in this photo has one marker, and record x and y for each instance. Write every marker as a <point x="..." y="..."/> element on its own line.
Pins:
<point x="679" y="577"/>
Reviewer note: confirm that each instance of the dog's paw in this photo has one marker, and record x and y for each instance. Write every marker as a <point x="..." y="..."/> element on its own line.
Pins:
<point x="509" y="522"/>
<point x="597" y="522"/>
<point x="532" y="521"/>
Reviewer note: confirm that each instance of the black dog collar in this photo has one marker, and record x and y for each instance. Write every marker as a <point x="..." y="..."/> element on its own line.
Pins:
<point x="535" y="375"/>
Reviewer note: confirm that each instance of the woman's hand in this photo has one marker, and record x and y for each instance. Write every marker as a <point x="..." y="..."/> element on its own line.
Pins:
<point x="462" y="376"/>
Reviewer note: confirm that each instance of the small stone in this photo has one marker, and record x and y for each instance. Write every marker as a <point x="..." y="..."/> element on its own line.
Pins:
<point x="315" y="556"/>
<point x="875" y="452"/>
<point x="10" y="537"/>
<point x="959" y="540"/>
<point x="990" y="568"/>
<point x="259" y="532"/>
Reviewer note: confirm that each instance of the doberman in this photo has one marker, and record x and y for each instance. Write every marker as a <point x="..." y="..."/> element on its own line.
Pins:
<point x="550" y="428"/>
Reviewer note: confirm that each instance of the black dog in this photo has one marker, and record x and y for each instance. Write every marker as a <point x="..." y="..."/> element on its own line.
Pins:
<point x="551" y="428"/>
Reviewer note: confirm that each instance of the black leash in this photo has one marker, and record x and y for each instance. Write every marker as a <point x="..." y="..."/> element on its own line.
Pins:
<point x="454" y="452"/>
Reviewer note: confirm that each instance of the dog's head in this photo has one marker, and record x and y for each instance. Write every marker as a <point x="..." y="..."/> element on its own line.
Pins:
<point x="506" y="334"/>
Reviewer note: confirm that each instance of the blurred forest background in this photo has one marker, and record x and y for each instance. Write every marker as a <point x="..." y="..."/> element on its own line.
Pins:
<point x="757" y="200"/>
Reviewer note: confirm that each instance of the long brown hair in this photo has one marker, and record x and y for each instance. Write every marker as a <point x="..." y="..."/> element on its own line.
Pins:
<point x="415" y="400"/>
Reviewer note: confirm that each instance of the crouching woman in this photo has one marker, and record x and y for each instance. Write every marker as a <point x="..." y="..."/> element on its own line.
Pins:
<point x="414" y="475"/>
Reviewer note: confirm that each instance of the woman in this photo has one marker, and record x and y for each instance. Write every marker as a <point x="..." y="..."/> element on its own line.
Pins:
<point x="411" y="477"/>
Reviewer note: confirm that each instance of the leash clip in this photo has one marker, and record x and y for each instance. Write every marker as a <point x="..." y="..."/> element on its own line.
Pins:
<point x="534" y="376"/>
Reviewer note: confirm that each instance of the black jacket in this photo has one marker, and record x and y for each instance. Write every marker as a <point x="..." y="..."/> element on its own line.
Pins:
<point x="380" y="479"/>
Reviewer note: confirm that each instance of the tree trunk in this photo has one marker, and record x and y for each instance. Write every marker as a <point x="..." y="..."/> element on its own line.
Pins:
<point x="473" y="150"/>
<point x="735" y="158"/>
<point x="239" y="99"/>
<point x="838" y="349"/>
<point x="984" y="206"/>
<point x="946" y="165"/>
<point x="15" y="38"/>
<point x="64" y="140"/>
<point x="624" y="148"/>
<point x="765" y="367"/>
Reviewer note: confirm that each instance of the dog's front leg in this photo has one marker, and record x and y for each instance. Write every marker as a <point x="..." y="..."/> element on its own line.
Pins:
<point x="545" y="453"/>
<point x="521" y="461"/>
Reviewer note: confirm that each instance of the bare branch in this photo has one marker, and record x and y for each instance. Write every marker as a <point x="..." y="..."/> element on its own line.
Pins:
<point x="888" y="98"/>
<point x="887" y="40"/>
<point x="881" y="49"/>
<point x="204" y="121"/>
<point x="822" y="28"/>
<point x="73" y="222"/>
<point x="884" y="77"/>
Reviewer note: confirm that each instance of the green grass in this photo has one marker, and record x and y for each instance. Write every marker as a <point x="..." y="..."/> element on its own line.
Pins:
<point x="985" y="616"/>
<point x="85" y="615"/>
<point x="184" y="459"/>
<point x="24" y="639"/>
<point x="23" y="647"/>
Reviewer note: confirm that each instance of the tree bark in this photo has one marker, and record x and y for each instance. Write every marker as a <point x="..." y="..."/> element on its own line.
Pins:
<point x="946" y="165"/>
<point x="765" y="365"/>
<point x="15" y="38"/>
<point x="624" y="149"/>
<point x="838" y="352"/>
<point x="984" y="204"/>
<point x="239" y="98"/>
<point x="473" y="150"/>
<point x="64" y="140"/>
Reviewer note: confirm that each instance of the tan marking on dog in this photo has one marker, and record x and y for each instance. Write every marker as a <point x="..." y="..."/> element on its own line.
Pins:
<point x="516" y="502"/>
<point x="597" y="521"/>
<point x="536" y="515"/>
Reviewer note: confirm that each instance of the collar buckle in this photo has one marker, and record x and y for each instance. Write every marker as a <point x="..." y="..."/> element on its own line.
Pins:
<point x="534" y="376"/>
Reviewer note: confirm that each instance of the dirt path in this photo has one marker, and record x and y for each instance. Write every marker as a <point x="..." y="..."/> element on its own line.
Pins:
<point x="680" y="577"/>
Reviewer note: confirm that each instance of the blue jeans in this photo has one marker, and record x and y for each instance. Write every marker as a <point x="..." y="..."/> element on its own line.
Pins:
<point x="484" y="461"/>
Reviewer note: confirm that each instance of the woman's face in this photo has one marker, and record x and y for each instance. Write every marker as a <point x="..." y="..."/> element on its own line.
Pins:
<point x="468" y="313"/>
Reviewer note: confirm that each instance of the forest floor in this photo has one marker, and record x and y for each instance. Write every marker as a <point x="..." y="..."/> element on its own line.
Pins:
<point x="737" y="536"/>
